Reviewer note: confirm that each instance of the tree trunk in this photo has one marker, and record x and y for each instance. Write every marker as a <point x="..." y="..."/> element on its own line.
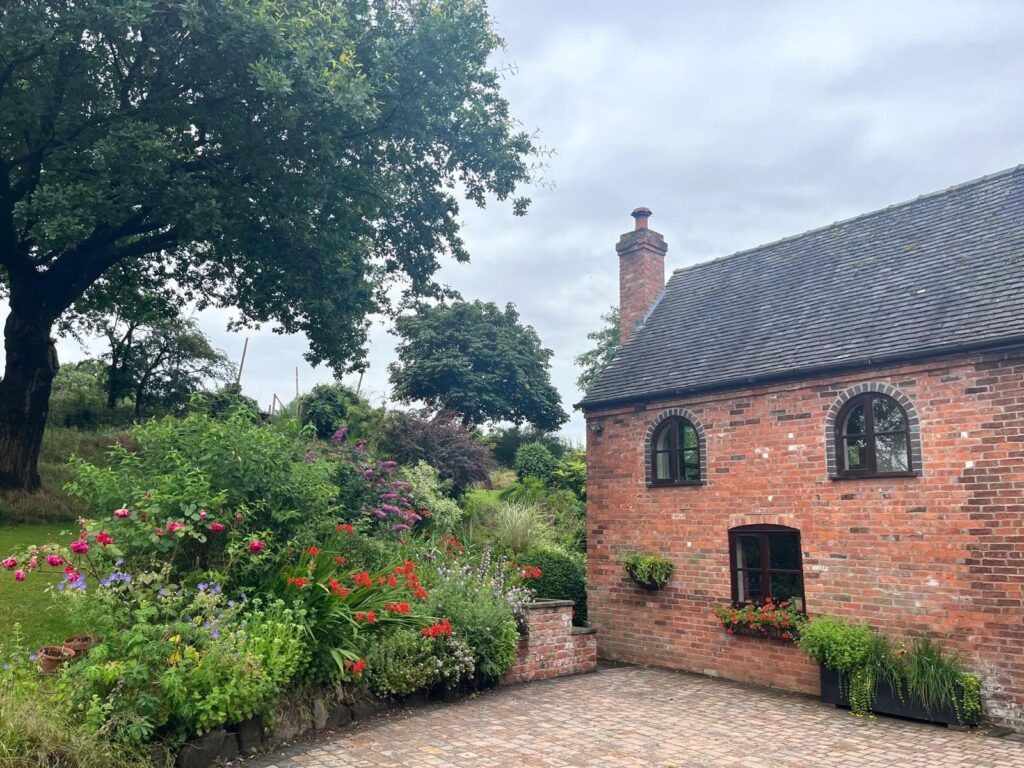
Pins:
<point x="24" y="398"/>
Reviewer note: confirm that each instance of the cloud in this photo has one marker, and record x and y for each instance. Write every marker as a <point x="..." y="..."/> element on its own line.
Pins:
<point x="736" y="123"/>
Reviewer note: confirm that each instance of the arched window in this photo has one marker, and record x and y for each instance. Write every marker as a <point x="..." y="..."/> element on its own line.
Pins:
<point x="765" y="561"/>
<point x="873" y="438"/>
<point x="675" y="453"/>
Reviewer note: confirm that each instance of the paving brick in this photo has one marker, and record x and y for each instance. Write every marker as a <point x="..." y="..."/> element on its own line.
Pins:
<point x="645" y="717"/>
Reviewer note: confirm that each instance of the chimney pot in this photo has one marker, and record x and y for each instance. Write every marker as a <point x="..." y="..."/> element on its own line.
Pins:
<point x="641" y="215"/>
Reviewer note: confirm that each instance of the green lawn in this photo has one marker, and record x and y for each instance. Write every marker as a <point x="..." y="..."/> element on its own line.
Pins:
<point x="39" y="613"/>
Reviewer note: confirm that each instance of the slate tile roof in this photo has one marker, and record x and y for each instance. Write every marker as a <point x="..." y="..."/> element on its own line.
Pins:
<point x="937" y="274"/>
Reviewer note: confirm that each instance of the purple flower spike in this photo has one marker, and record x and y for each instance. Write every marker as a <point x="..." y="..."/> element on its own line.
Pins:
<point x="388" y="465"/>
<point x="400" y="527"/>
<point x="389" y="496"/>
<point x="379" y="514"/>
<point x="391" y="508"/>
<point x="400" y="484"/>
<point x="367" y="473"/>
<point x="338" y="436"/>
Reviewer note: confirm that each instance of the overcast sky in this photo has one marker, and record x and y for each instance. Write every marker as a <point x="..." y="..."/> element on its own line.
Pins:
<point x="736" y="123"/>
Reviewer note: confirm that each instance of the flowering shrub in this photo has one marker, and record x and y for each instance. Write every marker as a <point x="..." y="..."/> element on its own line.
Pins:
<point x="176" y="661"/>
<point x="345" y="610"/>
<point x="404" y="662"/>
<point x="768" y="619"/>
<point x="484" y="603"/>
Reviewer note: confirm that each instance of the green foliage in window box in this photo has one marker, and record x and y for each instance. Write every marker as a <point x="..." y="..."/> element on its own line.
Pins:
<point x="863" y="658"/>
<point x="649" y="571"/>
<point x="778" y="621"/>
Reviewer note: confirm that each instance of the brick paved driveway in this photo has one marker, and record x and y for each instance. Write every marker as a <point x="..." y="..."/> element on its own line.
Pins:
<point x="632" y="716"/>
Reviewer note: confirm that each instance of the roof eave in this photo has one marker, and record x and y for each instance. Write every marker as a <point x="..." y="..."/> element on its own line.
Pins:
<point x="991" y="345"/>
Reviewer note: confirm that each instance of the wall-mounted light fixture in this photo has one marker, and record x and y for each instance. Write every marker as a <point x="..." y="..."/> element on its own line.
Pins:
<point x="597" y="427"/>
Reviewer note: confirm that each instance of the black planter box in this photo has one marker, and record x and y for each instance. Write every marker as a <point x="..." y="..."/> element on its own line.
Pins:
<point x="888" y="702"/>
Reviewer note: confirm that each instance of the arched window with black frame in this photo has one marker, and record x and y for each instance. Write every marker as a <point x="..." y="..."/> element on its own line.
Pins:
<point x="675" y="453"/>
<point x="765" y="561"/>
<point x="873" y="438"/>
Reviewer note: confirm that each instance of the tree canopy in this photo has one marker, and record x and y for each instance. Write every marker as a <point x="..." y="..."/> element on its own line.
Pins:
<point x="594" y="360"/>
<point x="293" y="160"/>
<point x="477" y="360"/>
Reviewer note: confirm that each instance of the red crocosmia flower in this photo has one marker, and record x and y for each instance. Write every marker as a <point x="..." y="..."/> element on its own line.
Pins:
<point x="443" y="627"/>
<point x="371" y="617"/>
<point x="397" y="607"/>
<point x="356" y="667"/>
<point x="421" y="593"/>
<point x="339" y="560"/>
<point x="380" y="580"/>
<point x="299" y="581"/>
<point x="256" y="546"/>
<point x="347" y="528"/>
<point x="79" y="547"/>
<point x="313" y="551"/>
<point x="54" y="560"/>
<point x="217" y="527"/>
<point x="360" y="615"/>
<point x="392" y="581"/>
<point x="362" y="579"/>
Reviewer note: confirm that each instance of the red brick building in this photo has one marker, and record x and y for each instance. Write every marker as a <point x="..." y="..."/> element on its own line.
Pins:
<point x="835" y="418"/>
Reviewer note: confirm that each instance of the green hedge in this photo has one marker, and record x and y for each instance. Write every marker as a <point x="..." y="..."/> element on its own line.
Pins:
<point x="563" y="577"/>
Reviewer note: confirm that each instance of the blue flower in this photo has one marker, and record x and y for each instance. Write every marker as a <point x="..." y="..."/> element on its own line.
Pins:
<point x="215" y="589"/>
<point x="162" y="592"/>
<point x="242" y="595"/>
<point x="201" y="586"/>
<point x="105" y="582"/>
<point x="119" y="561"/>
<point x="231" y="603"/>
<point x="6" y="666"/>
<point x="32" y="657"/>
<point x="215" y="634"/>
<point x="60" y="587"/>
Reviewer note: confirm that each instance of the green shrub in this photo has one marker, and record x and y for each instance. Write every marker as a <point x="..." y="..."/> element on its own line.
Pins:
<point x="483" y="619"/>
<point x="836" y="643"/>
<point x="571" y="474"/>
<point x="329" y="407"/>
<point x="563" y="577"/>
<point x="431" y="493"/>
<point x="650" y="570"/>
<point x="566" y="513"/>
<point x="226" y="401"/>
<point x="535" y="460"/>
<point x="505" y="441"/>
<point x="405" y="661"/>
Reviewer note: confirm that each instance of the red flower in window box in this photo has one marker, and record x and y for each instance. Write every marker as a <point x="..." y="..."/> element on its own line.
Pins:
<point x="775" y="621"/>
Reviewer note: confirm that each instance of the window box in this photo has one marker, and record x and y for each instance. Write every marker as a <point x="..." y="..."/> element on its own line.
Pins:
<point x="764" y="633"/>
<point x="889" y="702"/>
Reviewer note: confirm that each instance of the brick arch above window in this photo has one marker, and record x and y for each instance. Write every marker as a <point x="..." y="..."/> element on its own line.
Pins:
<point x="702" y="443"/>
<point x="878" y="387"/>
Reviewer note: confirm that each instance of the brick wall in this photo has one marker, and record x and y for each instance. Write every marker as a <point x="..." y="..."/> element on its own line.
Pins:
<point x="942" y="553"/>
<point x="552" y="647"/>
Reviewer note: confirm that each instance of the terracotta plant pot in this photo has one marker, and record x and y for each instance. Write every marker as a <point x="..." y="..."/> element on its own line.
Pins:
<point x="81" y="644"/>
<point x="52" y="656"/>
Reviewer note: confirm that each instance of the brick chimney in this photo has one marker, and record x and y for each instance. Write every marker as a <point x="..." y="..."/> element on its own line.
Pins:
<point x="641" y="272"/>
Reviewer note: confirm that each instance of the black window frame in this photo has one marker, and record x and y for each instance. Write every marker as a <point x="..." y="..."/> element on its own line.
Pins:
<point x="674" y="424"/>
<point x="870" y="436"/>
<point x="762" y="532"/>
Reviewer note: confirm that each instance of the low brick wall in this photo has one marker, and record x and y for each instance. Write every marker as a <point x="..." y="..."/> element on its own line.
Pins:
<point x="552" y="646"/>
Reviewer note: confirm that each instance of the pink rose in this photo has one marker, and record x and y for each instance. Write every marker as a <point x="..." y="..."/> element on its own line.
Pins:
<point x="19" y="575"/>
<point x="122" y="513"/>
<point x="202" y="514"/>
<point x="174" y="526"/>
<point x="256" y="546"/>
<point x="217" y="527"/>
<point x="9" y="563"/>
<point x="79" y="547"/>
<point x="54" y="560"/>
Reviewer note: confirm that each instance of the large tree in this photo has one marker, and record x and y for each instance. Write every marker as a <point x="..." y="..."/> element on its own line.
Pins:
<point x="289" y="158"/>
<point x="477" y="360"/>
<point x="606" y="344"/>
